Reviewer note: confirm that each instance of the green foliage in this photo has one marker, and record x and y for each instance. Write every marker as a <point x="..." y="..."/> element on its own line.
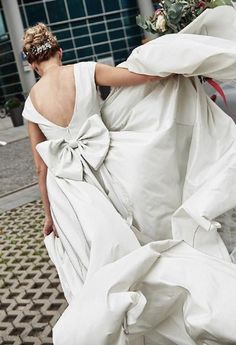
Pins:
<point x="215" y="3"/>
<point x="173" y="15"/>
<point x="12" y="103"/>
<point x="146" y="24"/>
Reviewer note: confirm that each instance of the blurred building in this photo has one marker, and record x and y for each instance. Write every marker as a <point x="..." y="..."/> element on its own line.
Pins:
<point x="86" y="30"/>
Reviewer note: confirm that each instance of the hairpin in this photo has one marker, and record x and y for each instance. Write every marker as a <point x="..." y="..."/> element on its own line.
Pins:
<point x="39" y="49"/>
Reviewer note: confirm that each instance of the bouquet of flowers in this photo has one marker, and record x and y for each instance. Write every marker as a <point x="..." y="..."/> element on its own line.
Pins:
<point x="172" y="16"/>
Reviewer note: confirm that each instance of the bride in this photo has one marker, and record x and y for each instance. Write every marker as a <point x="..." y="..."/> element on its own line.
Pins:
<point x="131" y="188"/>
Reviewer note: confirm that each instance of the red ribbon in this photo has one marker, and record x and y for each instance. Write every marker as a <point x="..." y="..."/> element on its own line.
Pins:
<point x="219" y="89"/>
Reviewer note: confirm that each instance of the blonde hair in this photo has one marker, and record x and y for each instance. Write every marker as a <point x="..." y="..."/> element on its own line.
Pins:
<point x="39" y="44"/>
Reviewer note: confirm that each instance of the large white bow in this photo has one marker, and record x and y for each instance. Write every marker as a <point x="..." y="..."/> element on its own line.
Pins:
<point x="67" y="158"/>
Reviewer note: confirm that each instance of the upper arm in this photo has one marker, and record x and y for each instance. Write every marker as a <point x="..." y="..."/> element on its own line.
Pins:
<point x="117" y="76"/>
<point x="36" y="136"/>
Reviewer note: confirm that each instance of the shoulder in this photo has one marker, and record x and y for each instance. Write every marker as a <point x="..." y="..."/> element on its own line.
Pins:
<point x="90" y="65"/>
<point x="34" y="89"/>
<point x="86" y="70"/>
<point x="27" y="110"/>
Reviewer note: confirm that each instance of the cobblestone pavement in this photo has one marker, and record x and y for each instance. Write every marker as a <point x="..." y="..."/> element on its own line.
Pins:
<point x="30" y="292"/>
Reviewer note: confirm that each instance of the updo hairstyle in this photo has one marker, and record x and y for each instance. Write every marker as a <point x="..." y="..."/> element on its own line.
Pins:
<point x="39" y="44"/>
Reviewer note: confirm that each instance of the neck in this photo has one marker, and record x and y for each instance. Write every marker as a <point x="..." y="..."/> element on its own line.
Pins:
<point x="46" y="66"/>
<point x="49" y="67"/>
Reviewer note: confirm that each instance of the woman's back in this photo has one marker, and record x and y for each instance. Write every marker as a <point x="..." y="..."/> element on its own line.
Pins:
<point x="53" y="96"/>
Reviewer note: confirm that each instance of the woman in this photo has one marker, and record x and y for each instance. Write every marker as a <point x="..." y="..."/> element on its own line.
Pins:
<point x="118" y="291"/>
<point x="57" y="86"/>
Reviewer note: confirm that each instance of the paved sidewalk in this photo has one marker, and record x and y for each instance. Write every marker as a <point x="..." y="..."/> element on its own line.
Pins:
<point x="18" y="181"/>
<point x="30" y="292"/>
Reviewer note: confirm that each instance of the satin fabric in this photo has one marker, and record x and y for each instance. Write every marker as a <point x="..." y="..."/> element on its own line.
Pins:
<point x="182" y="122"/>
<point x="133" y="194"/>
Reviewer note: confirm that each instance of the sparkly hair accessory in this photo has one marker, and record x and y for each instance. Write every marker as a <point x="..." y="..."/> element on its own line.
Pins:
<point x="39" y="49"/>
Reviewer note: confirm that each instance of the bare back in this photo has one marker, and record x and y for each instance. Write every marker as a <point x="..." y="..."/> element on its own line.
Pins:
<point x="53" y="96"/>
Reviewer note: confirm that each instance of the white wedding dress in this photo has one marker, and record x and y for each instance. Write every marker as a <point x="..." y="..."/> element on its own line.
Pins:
<point x="135" y="187"/>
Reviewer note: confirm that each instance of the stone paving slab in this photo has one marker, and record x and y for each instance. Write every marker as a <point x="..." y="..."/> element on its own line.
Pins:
<point x="19" y="198"/>
<point x="16" y="167"/>
<point x="31" y="296"/>
<point x="13" y="134"/>
<point x="8" y="133"/>
<point x="5" y="122"/>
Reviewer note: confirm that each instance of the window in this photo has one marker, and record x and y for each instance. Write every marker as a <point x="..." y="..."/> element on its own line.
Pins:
<point x="3" y="34"/>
